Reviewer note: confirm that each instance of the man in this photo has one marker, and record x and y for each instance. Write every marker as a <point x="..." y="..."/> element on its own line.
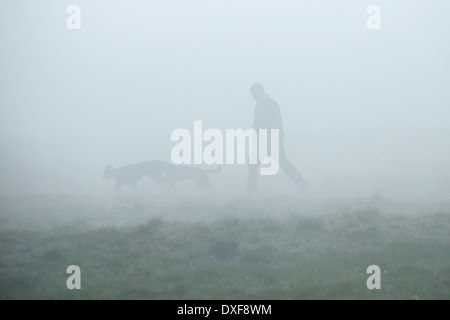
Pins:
<point x="267" y="116"/>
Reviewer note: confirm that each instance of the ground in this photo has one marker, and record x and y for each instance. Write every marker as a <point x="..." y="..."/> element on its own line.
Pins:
<point x="144" y="247"/>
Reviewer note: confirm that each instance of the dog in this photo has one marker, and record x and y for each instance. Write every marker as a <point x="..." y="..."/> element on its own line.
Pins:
<point x="176" y="173"/>
<point x="132" y="173"/>
<point x="160" y="171"/>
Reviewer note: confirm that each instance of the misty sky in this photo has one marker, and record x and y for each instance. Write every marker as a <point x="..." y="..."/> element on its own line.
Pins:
<point x="149" y="67"/>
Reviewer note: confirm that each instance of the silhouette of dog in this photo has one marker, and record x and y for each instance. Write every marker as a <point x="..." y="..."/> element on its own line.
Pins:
<point x="176" y="173"/>
<point x="160" y="171"/>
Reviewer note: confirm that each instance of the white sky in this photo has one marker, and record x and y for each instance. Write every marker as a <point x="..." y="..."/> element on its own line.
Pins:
<point x="145" y="68"/>
<point x="136" y="64"/>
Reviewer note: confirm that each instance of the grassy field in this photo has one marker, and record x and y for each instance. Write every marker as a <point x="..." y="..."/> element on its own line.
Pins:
<point x="133" y="248"/>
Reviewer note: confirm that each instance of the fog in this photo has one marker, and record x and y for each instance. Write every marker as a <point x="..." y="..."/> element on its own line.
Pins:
<point x="365" y="116"/>
<point x="364" y="111"/>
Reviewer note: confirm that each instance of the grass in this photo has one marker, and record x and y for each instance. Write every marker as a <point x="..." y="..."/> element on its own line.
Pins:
<point x="232" y="257"/>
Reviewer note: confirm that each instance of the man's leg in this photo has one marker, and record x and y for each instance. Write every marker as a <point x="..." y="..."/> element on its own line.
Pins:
<point x="292" y="171"/>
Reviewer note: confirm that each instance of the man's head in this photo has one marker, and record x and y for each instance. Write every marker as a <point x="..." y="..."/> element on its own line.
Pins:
<point x="257" y="91"/>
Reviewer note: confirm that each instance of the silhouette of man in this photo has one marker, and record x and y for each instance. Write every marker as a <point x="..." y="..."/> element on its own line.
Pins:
<point x="267" y="116"/>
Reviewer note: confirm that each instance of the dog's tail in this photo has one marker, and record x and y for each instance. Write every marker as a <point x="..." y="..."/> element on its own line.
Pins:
<point x="213" y="170"/>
